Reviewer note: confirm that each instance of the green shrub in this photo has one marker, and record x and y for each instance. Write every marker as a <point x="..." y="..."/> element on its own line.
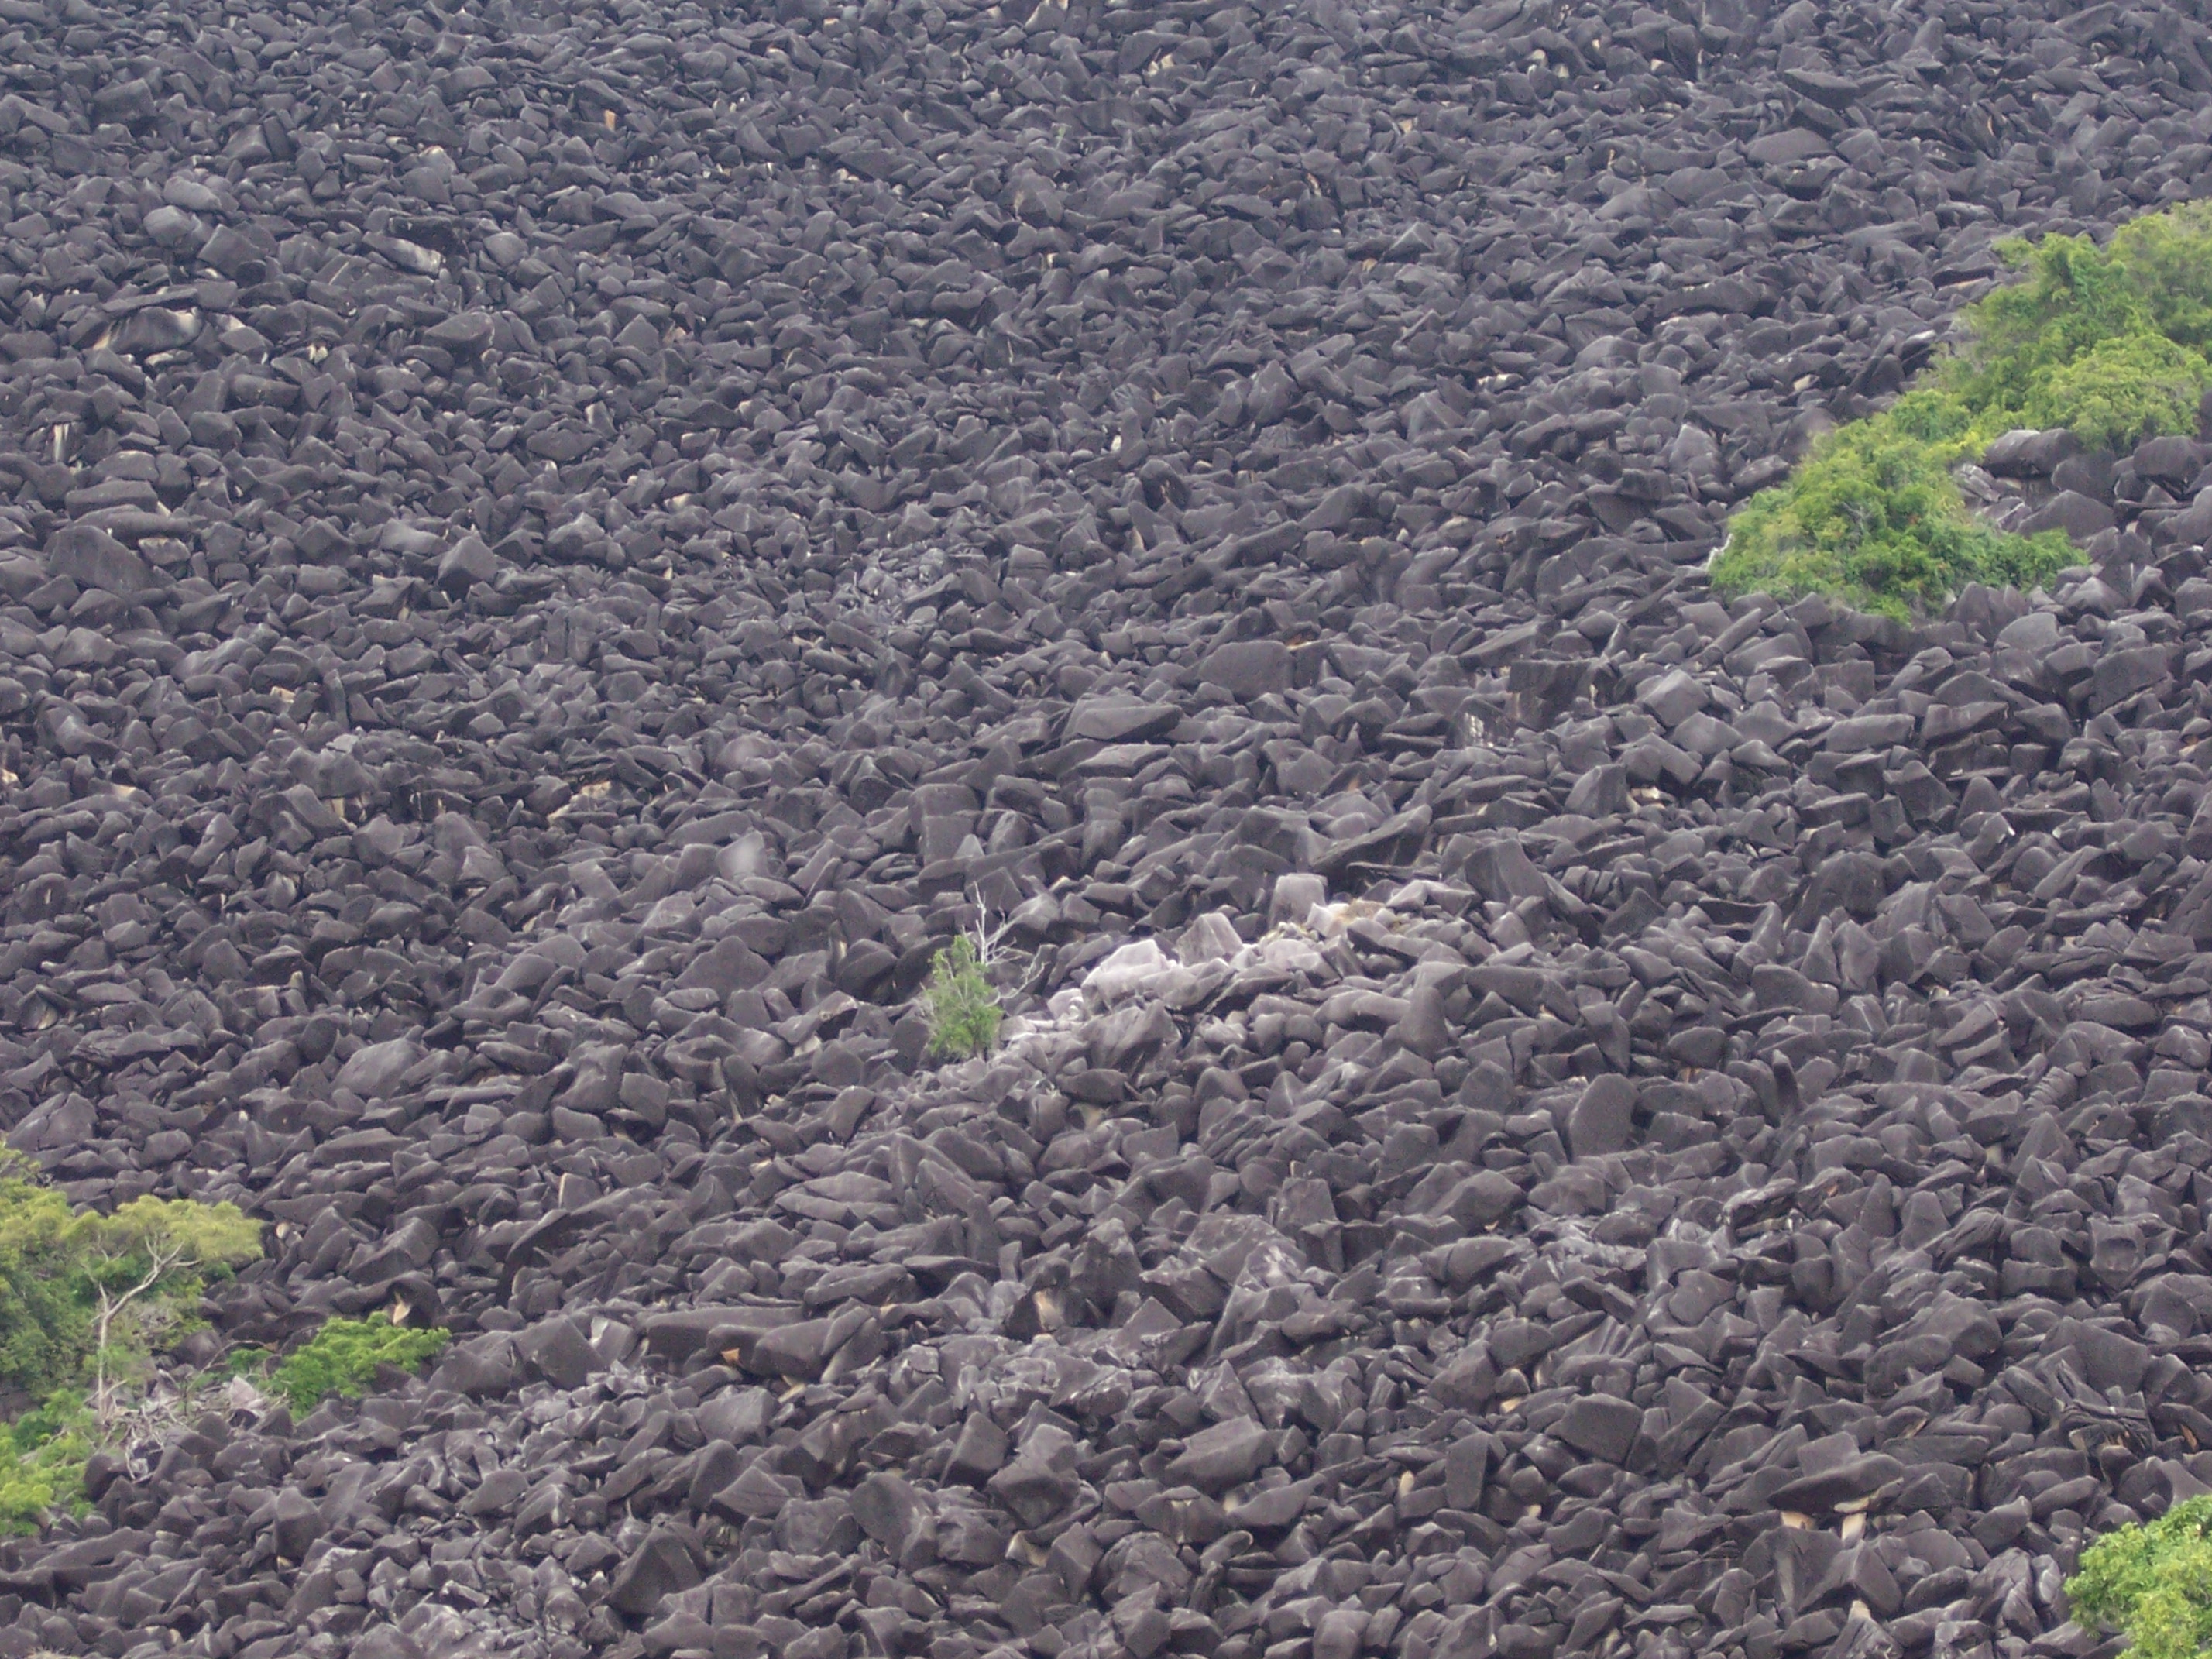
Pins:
<point x="247" y="1359"/>
<point x="2113" y="342"/>
<point x="79" y="1289"/>
<point x="146" y="1265"/>
<point x="2154" y="277"/>
<point x="45" y="1304"/>
<point x="42" y="1459"/>
<point x="2123" y="390"/>
<point x="1872" y="518"/>
<point x="85" y="1298"/>
<point x="958" y="1003"/>
<point x="2152" y="1583"/>
<point x="342" y="1358"/>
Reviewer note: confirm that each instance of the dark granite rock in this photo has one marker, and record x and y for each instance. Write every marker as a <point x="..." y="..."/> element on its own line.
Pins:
<point x="548" y="565"/>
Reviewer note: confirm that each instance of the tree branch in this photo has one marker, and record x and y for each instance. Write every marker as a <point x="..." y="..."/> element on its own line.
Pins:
<point x="111" y="1305"/>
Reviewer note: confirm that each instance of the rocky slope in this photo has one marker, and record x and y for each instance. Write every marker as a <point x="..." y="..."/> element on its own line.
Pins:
<point x="553" y="554"/>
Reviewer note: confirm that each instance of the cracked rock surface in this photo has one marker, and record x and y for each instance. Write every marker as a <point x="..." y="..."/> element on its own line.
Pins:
<point x="551" y="556"/>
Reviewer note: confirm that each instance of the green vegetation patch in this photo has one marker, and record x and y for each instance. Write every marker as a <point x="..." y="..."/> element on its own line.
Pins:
<point x="961" y="1008"/>
<point x="85" y="1301"/>
<point x="1872" y="518"/>
<point x="42" y="1459"/>
<point x="2152" y="1583"/>
<point x="2114" y="343"/>
<point x="342" y="1358"/>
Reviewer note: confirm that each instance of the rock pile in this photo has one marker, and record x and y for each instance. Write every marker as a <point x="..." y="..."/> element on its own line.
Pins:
<point x="553" y="555"/>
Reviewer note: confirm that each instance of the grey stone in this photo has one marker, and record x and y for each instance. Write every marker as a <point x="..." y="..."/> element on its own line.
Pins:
<point x="2174" y="462"/>
<point x="1602" y="1120"/>
<point x="979" y="1451"/>
<point x="1223" y="1455"/>
<point x="1122" y="719"/>
<point x="660" y="1566"/>
<point x="1672" y="698"/>
<point x="2030" y="454"/>
<point x="1601" y="792"/>
<point x="375" y="1070"/>
<point x="1864" y="734"/>
<point x="2037" y="631"/>
<point x="1499" y="869"/>
<point x="558" y="1351"/>
<point x="297" y="1523"/>
<point x="1424" y="1028"/>
<point x="2078" y="515"/>
<point x="91" y="558"/>
<point x="465" y="563"/>
<point x="1247" y="668"/>
<point x="890" y="1511"/>
<point x="1601" y="1426"/>
<point x="1847" y="1482"/>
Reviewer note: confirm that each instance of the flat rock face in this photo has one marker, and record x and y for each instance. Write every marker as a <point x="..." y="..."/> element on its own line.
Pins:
<point x="552" y="559"/>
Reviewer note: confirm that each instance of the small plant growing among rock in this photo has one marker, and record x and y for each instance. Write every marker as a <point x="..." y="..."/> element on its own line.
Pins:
<point x="961" y="1008"/>
<point x="342" y="1358"/>
<point x="2152" y="1583"/>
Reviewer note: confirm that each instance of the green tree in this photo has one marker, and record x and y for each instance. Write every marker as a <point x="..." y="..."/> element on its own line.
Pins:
<point x="2114" y="343"/>
<point x="1873" y="519"/>
<point x="45" y="1314"/>
<point x="85" y="1299"/>
<point x="958" y="1003"/>
<point x="2152" y="1582"/>
<point x="145" y="1264"/>
<point x="2123" y="390"/>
